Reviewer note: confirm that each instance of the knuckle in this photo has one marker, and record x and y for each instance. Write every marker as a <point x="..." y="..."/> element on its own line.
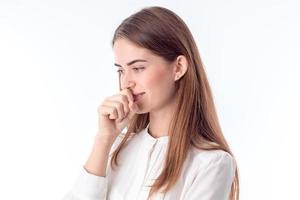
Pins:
<point x="119" y="105"/>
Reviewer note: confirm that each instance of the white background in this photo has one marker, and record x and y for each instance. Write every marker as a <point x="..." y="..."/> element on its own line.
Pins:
<point x="56" y="66"/>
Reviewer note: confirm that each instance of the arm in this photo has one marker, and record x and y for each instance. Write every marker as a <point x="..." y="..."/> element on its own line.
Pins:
<point x="97" y="161"/>
<point x="214" y="181"/>
<point x="91" y="183"/>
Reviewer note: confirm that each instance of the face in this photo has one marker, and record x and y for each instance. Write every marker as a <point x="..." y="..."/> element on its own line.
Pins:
<point x="145" y="73"/>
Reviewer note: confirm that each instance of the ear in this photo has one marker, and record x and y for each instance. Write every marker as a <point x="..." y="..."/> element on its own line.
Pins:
<point x="180" y="67"/>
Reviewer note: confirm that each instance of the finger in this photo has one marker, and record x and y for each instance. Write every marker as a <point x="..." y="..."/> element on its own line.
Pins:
<point x="123" y="99"/>
<point x="119" y="107"/>
<point x="128" y="93"/>
<point x="109" y="111"/>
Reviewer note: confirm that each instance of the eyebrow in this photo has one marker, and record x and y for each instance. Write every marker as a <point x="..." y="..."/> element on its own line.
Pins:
<point x="131" y="62"/>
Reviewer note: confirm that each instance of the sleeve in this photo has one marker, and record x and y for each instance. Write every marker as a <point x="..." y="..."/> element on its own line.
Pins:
<point x="214" y="181"/>
<point x="88" y="187"/>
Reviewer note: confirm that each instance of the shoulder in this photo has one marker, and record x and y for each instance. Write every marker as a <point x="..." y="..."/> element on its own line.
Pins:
<point x="205" y="159"/>
<point x="211" y="175"/>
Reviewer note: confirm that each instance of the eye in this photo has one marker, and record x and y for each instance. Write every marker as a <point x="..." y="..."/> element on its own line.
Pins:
<point x="138" y="68"/>
<point x="120" y="71"/>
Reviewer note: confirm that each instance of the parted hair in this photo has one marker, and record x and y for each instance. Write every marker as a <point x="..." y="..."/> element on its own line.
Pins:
<point x="196" y="123"/>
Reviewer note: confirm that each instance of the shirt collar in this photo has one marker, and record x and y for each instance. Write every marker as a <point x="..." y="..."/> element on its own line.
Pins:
<point x="149" y="138"/>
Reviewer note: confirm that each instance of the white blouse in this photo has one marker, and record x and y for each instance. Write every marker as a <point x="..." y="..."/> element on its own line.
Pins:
<point x="206" y="175"/>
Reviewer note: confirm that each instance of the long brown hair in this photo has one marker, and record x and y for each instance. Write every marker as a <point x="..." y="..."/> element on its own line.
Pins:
<point x="196" y="123"/>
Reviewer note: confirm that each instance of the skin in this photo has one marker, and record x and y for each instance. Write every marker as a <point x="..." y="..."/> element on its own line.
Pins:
<point x="156" y="77"/>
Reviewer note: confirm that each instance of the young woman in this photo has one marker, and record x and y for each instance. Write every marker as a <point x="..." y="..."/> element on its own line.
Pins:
<point x="173" y="148"/>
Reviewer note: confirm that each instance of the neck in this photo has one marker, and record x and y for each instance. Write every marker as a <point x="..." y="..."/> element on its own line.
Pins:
<point x="160" y="120"/>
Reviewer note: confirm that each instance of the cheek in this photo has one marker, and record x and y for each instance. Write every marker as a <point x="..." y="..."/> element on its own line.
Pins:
<point x="159" y="80"/>
<point x="155" y="78"/>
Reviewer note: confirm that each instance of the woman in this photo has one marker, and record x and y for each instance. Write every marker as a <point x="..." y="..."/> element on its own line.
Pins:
<point x="173" y="147"/>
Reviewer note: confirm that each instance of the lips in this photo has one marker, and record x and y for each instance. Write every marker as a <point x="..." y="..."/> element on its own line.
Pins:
<point x="136" y="96"/>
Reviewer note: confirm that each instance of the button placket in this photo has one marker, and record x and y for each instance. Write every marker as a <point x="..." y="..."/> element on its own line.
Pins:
<point x="150" y="151"/>
<point x="149" y="161"/>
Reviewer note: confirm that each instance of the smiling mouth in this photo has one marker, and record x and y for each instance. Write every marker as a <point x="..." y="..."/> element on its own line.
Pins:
<point x="137" y="96"/>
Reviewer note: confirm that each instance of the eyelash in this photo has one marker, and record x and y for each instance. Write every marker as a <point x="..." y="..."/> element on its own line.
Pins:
<point x="135" y="69"/>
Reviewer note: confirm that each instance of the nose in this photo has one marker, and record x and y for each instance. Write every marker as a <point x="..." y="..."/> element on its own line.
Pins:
<point x="127" y="84"/>
<point x="127" y="80"/>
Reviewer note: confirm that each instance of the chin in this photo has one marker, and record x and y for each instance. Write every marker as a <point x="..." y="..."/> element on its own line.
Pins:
<point x="142" y="110"/>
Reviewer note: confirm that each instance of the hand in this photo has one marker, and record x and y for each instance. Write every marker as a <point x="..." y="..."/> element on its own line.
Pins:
<point x="115" y="113"/>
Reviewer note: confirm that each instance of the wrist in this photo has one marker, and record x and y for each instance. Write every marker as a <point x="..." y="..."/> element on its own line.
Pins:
<point x="99" y="138"/>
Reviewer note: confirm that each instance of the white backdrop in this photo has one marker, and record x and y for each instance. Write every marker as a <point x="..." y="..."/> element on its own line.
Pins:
<point x="56" y="66"/>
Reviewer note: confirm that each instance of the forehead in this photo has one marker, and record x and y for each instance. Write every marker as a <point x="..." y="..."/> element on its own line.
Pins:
<point x="125" y="51"/>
